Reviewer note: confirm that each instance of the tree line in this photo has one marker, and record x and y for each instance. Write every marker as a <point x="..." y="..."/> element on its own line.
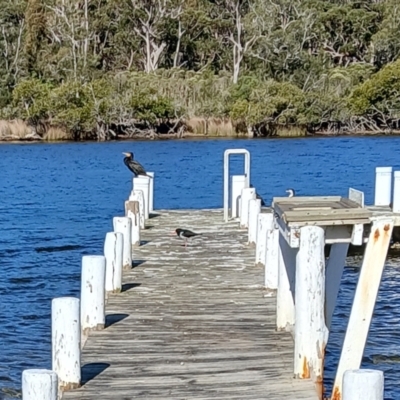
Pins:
<point x="122" y="68"/>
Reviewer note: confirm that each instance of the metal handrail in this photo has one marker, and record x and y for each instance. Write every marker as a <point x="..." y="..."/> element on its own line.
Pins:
<point x="227" y="153"/>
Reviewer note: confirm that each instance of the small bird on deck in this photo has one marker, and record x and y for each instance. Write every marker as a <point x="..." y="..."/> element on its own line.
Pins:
<point x="291" y="192"/>
<point x="185" y="234"/>
<point x="134" y="165"/>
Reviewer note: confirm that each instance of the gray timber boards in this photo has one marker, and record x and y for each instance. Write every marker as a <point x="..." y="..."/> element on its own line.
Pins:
<point x="325" y="210"/>
<point x="198" y="324"/>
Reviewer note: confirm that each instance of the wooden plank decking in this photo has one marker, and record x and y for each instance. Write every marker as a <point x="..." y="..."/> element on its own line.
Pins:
<point x="192" y="323"/>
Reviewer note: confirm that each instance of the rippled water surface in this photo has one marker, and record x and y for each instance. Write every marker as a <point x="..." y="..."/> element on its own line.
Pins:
<point x="57" y="202"/>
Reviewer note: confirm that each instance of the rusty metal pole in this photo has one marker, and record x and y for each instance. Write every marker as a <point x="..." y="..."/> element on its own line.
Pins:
<point x="364" y="299"/>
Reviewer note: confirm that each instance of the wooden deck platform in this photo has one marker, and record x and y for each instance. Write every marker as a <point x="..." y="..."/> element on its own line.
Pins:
<point x="191" y="323"/>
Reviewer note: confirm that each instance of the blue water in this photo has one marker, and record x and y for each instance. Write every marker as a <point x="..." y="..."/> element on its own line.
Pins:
<point x="57" y="202"/>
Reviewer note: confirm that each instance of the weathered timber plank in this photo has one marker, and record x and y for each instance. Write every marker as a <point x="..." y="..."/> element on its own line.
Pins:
<point x="192" y="323"/>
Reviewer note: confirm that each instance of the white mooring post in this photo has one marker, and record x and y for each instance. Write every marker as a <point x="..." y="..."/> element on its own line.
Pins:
<point x="143" y="183"/>
<point x="132" y="211"/>
<point x="396" y="192"/>
<point x="254" y="211"/>
<point x="123" y="225"/>
<point x="247" y="195"/>
<point x="151" y="192"/>
<point x="93" y="293"/>
<point x="261" y="246"/>
<point x="113" y="249"/>
<point x="272" y="254"/>
<point x="383" y="186"/>
<point x="333" y="276"/>
<point x="137" y="195"/>
<point x="364" y="298"/>
<point x="238" y="183"/>
<point x="363" y="384"/>
<point x="39" y="384"/>
<point x="311" y="334"/>
<point x="285" y="312"/>
<point x="66" y="342"/>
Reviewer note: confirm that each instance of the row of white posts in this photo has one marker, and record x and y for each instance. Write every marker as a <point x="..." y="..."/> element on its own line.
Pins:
<point x="263" y="232"/>
<point x="72" y="318"/>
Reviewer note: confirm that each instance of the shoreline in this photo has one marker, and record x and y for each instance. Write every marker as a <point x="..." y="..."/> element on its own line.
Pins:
<point x="194" y="137"/>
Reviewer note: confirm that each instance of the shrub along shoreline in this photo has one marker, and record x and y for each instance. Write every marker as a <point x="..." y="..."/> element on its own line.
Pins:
<point x="176" y="103"/>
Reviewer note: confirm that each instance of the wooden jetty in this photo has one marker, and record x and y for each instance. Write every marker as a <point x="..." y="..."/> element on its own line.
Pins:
<point x="243" y="312"/>
<point x="191" y="323"/>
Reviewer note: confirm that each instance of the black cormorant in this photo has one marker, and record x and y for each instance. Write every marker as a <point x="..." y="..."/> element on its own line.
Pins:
<point x="134" y="165"/>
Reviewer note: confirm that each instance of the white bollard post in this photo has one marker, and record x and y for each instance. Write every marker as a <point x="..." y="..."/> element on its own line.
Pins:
<point x="383" y="186"/>
<point x="93" y="293"/>
<point x="137" y="195"/>
<point x="143" y="183"/>
<point x="238" y="183"/>
<point x="39" y="384"/>
<point x="254" y="211"/>
<point x="151" y="192"/>
<point x="396" y="192"/>
<point x="272" y="255"/>
<point x="132" y="211"/>
<point x="363" y="384"/>
<point x="261" y="245"/>
<point x="311" y="334"/>
<point x="247" y="195"/>
<point x="123" y="225"/>
<point x="113" y="249"/>
<point x="285" y="313"/>
<point x="66" y="342"/>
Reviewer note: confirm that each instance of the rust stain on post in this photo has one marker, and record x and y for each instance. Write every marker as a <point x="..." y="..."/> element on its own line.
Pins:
<point x="376" y="235"/>
<point x="319" y="386"/>
<point x="336" y="394"/>
<point x="306" y="370"/>
<point x="386" y="227"/>
<point x="67" y="386"/>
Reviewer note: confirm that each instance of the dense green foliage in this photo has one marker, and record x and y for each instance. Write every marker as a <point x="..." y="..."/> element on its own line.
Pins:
<point x="102" y="68"/>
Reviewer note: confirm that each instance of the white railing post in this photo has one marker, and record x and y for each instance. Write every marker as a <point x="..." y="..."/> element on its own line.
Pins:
<point x="383" y="186"/>
<point x="396" y="192"/>
<point x="285" y="312"/>
<point x="333" y="276"/>
<point x="151" y="192"/>
<point x="227" y="153"/>
<point x="39" y="384"/>
<point x="238" y="183"/>
<point x="143" y="183"/>
<point x="132" y="211"/>
<point x="311" y="334"/>
<point x="363" y="384"/>
<point x="66" y="342"/>
<point x="123" y="225"/>
<point x="261" y="246"/>
<point x="113" y="249"/>
<point x="272" y="254"/>
<point x="364" y="298"/>
<point x="254" y="211"/>
<point x="137" y="195"/>
<point x="247" y="195"/>
<point x="93" y="293"/>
